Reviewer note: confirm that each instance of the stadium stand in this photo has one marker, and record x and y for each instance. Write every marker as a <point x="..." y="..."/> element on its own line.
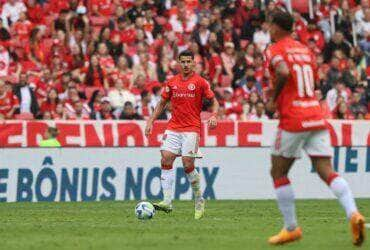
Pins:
<point x="94" y="59"/>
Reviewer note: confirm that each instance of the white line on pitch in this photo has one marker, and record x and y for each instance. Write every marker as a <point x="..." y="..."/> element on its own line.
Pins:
<point x="367" y="225"/>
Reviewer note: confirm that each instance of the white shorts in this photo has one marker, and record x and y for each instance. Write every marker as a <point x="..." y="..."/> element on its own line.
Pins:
<point x="290" y="145"/>
<point x="181" y="143"/>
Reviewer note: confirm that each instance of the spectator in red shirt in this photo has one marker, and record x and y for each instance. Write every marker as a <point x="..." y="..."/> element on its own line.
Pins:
<point x="244" y="13"/>
<point x="342" y="112"/>
<point x="144" y="107"/>
<point x="215" y="65"/>
<point x="50" y="104"/>
<point x="313" y="33"/>
<point x="22" y="28"/>
<point x="9" y="103"/>
<point x="105" y="111"/>
<point x="102" y="7"/>
<point x="95" y="75"/>
<point x="106" y="62"/>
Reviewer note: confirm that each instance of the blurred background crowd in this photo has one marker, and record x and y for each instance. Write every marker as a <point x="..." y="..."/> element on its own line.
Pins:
<point x="108" y="59"/>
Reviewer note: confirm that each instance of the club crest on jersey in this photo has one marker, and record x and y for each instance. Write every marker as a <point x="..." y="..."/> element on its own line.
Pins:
<point x="191" y="86"/>
<point x="167" y="89"/>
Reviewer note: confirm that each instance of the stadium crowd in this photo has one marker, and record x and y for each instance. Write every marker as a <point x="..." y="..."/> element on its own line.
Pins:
<point x="108" y="59"/>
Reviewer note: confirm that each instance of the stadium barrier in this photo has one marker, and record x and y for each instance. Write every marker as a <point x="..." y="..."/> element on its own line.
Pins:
<point x="131" y="133"/>
<point x="96" y="174"/>
<point x="236" y="163"/>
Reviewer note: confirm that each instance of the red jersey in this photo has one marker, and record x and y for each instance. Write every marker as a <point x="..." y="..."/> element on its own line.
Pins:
<point x="104" y="6"/>
<point x="298" y="107"/>
<point x="186" y="97"/>
<point x="8" y="101"/>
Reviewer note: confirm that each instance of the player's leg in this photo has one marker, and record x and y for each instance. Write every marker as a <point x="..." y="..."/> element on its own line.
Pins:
<point x="194" y="179"/>
<point x="170" y="149"/>
<point x="319" y="149"/>
<point x="190" y="152"/>
<point x="286" y="149"/>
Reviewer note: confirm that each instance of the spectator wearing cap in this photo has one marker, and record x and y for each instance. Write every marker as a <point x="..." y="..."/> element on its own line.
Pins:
<point x="26" y="95"/>
<point x="11" y="11"/>
<point x="104" y="111"/>
<point x="9" y="102"/>
<point x="50" y="138"/>
<point x="119" y="95"/>
<point x="129" y="112"/>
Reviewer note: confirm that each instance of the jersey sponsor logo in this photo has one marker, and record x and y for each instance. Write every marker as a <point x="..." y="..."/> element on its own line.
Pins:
<point x="183" y="95"/>
<point x="191" y="86"/>
<point x="310" y="124"/>
<point x="174" y="87"/>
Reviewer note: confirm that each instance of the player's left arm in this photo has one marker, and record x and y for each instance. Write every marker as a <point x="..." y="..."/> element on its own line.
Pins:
<point x="210" y="95"/>
<point x="212" y="121"/>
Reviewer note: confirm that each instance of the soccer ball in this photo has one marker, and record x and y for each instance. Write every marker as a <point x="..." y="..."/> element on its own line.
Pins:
<point x="144" y="210"/>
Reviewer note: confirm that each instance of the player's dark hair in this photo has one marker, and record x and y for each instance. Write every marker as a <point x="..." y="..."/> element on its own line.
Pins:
<point x="283" y="19"/>
<point x="186" y="53"/>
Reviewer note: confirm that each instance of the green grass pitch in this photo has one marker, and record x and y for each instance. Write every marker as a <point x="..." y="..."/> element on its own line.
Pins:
<point x="227" y="225"/>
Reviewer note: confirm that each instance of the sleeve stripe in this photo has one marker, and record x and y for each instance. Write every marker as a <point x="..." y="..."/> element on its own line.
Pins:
<point x="276" y="59"/>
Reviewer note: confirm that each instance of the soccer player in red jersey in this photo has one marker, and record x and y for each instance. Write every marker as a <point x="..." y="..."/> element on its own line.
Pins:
<point x="302" y="126"/>
<point x="185" y="92"/>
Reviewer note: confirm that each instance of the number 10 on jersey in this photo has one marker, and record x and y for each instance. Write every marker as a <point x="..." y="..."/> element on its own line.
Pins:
<point x="305" y="80"/>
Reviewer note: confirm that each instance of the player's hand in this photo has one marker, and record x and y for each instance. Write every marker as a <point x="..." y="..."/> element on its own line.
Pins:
<point x="212" y="122"/>
<point x="271" y="106"/>
<point x="148" y="128"/>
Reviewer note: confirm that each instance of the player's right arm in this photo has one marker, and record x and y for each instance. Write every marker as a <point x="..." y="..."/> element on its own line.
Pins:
<point x="277" y="63"/>
<point x="166" y="96"/>
<point x="157" y="112"/>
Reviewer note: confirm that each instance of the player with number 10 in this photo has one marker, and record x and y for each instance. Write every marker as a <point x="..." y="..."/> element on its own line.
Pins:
<point x="302" y="126"/>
